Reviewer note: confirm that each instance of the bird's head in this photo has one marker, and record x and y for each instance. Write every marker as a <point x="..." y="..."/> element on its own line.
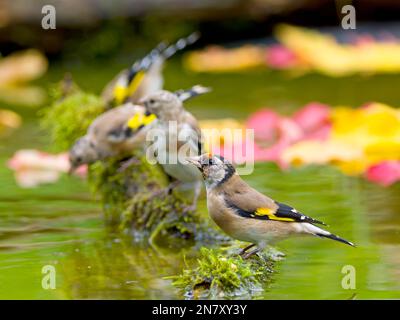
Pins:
<point x="161" y="103"/>
<point x="215" y="169"/>
<point x="82" y="152"/>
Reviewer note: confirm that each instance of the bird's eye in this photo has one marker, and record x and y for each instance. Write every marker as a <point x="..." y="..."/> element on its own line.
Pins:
<point x="78" y="159"/>
<point x="151" y="101"/>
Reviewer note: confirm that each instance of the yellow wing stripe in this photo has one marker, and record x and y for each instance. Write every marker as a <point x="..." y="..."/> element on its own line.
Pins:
<point x="135" y="82"/>
<point x="269" y="212"/>
<point x="120" y="92"/>
<point x="139" y="120"/>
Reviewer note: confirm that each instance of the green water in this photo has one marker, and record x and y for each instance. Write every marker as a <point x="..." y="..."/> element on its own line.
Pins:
<point x="61" y="224"/>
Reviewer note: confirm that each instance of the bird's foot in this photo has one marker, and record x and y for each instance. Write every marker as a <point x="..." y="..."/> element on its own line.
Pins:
<point x="190" y="208"/>
<point x="251" y="253"/>
<point x="276" y="255"/>
<point x="243" y="251"/>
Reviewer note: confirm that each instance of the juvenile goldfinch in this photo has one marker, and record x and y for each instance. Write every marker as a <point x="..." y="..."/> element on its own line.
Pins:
<point x="145" y="75"/>
<point x="181" y="132"/>
<point x="113" y="133"/>
<point x="247" y="215"/>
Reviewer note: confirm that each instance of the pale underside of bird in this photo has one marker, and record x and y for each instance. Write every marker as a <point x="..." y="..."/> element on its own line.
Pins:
<point x="248" y="215"/>
<point x="177" y="136"/>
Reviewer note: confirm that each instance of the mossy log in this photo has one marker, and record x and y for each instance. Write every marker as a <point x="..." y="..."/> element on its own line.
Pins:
<point x="135" y="199"/>
<point x="223" y="273"/>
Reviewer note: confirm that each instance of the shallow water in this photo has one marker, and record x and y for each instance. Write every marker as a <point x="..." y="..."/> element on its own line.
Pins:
<point x="61" y="224"/>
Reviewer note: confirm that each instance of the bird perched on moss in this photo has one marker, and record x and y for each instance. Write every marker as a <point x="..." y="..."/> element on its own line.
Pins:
<point x="178" y="135"/>
<point x="117" y="132"/>
<point x="110" y="135"/>
<point x="145" y="75"/>
<point x="247" y="215"/>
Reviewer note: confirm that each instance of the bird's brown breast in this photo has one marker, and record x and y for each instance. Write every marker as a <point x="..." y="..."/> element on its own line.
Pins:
<point x="243" y="228"/>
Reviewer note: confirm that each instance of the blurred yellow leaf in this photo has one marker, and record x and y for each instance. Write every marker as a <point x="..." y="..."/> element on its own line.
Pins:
<point x="219" y="59"/>
<point x="375" y="129"/>
<point x="22" y="67"/>
<point x="9" y="119"/>
<point x="17" y="69"/>
<point x="321" y="152"/>
<point x="323" y="53"/>
<point x="29" y="96"/>
<point x="220" y="131"/>
<point x="360" y="138"/>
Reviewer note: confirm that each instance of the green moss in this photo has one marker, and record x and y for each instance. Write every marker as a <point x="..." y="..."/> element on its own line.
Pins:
<point x="134" y="200"/>
<point x="221" y="273"/>
<point x="67" y="118"/>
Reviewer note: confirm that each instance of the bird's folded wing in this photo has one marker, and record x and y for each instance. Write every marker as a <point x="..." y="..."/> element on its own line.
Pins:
<point x="112" y="125"/>
<point x="252" y="204"/>
<point x="190" y="133"/>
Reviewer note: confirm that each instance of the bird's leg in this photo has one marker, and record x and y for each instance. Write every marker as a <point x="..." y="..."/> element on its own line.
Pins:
<point x="243" y="251"/>
<point x="196" y="194"/>
<point x="249" y="254"/>
<point x="127" y="163"/>
<point x="166" y="190"/>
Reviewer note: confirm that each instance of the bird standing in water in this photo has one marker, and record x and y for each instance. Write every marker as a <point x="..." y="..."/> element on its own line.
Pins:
<point x="247" y="215"/>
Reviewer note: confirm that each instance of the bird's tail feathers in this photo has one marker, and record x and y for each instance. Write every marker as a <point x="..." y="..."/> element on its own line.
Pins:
<point x="317" y="231"/>
<point x="146" y="62"/>
<point x="335" y="237"/>
<point x="179" y="45"/>
<point x="163" y="51"/>
<point x="194" y="91"/>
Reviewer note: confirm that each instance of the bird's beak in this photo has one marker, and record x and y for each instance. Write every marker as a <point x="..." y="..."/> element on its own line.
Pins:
<point x="195" y="161"/>
<point x="142" y="102"/>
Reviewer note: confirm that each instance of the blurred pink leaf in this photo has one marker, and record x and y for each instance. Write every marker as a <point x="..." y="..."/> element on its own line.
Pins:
<point x="312" y="116"/>
<point x="33" y="167"/>
<point x="264" y="122"/>
<point x="385" y="173"/>
<point x="289" y="131"/>
<point x="322" y="133"/>
<point x="280" y="57"/>
<point x="33" y="178"/>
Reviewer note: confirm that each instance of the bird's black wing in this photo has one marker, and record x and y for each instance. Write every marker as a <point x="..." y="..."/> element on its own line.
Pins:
<point x="283" y="213"/>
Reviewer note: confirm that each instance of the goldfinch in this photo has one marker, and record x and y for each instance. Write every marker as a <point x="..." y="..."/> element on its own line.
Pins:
<point x="181" y="135"/>
<point x="247" y="215"/>
<point x="145" y="75"/>
<point x="114" y="133"/>
<point x="118" y="131"/>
